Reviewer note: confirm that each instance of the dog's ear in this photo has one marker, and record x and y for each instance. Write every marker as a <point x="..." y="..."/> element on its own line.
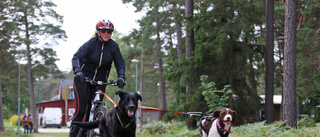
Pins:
<point x="120" y="93"/>
<point x="139" y="97"/>
<point x="216" y="113"/>
<point x="234" y="116"/>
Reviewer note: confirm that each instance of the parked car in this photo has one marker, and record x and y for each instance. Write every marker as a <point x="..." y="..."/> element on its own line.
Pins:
<point x="52" y="117"/>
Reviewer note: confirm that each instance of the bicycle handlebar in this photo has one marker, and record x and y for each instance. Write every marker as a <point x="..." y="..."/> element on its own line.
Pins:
<point x="101" y="82"/>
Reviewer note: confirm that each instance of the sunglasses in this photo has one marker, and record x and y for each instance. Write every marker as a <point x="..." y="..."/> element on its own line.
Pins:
<point x="104" y="31"/>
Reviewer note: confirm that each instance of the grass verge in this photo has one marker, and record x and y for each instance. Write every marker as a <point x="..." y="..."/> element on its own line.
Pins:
<point x="306" y="128"/>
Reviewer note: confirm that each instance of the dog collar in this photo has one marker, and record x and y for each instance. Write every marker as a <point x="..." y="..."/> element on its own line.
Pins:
<point x="122" y="123"/>
<point x="221" y="130"/>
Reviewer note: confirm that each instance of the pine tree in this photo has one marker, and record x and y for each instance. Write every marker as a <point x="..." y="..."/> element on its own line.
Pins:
<point x="32" y="16"/>
<point x="308" y="76"/>
<point x="269" y="92"/>
<point x="289" y="83"/>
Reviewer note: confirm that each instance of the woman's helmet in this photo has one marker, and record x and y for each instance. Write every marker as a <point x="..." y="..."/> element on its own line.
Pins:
<point x="104" y="25"/>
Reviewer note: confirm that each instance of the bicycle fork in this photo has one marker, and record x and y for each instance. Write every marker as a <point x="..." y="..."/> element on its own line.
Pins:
<point x="93" y="107"/>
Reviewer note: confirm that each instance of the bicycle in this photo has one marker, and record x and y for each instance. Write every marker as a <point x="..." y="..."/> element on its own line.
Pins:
<point x="98" y="107"/>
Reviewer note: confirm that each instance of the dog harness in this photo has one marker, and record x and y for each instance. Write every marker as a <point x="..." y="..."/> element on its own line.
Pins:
<point x="220" y="129"/>
<point x="207" y="118"/>
<point x="122" y="123"/>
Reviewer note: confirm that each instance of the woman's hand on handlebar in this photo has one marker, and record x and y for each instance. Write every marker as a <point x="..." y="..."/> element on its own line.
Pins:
<point x="121" y="83"/>
<point x="81" y="76"/>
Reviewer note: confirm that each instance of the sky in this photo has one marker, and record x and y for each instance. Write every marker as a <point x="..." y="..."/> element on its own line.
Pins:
<point x="80" y="18"/>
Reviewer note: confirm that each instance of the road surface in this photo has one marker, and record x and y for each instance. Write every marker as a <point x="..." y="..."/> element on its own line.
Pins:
<point x="53" y="130"/>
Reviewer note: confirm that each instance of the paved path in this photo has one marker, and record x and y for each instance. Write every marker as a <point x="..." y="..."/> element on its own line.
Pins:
<point x="53" y="130"/>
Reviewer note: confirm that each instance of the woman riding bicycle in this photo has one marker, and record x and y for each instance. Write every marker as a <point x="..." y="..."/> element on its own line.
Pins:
<point x="93" y="60"/>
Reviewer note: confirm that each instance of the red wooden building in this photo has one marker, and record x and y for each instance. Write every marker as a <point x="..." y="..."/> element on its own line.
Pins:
<point x="64" y="100"/>
<point x="276" y="103"/>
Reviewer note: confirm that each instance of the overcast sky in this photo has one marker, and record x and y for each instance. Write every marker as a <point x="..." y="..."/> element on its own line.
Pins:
<point x="80" y="18"/>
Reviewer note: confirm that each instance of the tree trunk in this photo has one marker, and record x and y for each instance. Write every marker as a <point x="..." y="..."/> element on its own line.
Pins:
<point x="252" y="75"/>
<point x="189" y="38"/>
<point x="30" y="79"/>
<point x="162" y="86"/>
<point x="289" y="83"/>
<point x="269" y="92"/>
<point x="179" y="46"/>
<point x="230" y="63"/>
<point x="189" y="52"/>
<point x="179" y="39"/>
<point x="1" y="108"/>
<point x="161" y="80"/>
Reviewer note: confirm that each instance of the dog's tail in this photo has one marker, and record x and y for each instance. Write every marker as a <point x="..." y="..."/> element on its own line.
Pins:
<point x="87" y="125"/>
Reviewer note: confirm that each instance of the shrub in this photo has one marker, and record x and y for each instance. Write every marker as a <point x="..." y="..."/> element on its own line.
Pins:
<point x="173" y="128"/>
<point x="216" y="99"/>
<point x="14" y="119"/>
<point x="306" y="121"/>
<point x="155" y="127"/>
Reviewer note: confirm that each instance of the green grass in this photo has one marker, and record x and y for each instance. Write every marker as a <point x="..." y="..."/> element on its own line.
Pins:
<point x="306" y="128"/>
<point x="7" y="124"/>
<point x="10" y="132"/>
<point x="170" y="129"/>
<point x="276" y="129"/>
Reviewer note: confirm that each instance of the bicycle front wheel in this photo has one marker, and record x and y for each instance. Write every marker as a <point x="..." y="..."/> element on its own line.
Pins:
<point x="100" y="111"/>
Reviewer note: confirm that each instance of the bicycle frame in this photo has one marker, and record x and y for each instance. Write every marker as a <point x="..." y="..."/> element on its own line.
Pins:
<point x="95" y="103"/>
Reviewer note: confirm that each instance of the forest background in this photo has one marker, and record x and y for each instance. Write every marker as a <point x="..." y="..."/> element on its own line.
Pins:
<point x="177" y="42"/>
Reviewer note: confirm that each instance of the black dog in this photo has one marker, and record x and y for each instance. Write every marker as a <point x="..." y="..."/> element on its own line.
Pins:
<point x="119" y="121"/>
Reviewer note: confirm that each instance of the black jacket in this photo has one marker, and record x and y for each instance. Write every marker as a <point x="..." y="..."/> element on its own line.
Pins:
<point x="94" y="59"/>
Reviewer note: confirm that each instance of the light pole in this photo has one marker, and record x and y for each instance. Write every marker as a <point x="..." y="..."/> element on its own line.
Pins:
<point x="136" y="61"/>
<point x="19" y="95"/>
<point x="158" y="84"/>
<point x="138" y="116"/>
<point x="38" y="110"/>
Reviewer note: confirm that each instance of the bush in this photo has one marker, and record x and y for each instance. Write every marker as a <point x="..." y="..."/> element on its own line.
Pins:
<point x="317" y="113"/>
<point x="275" y="129"/>
<point x="14" y="119"/>
<point x="172" y="128"/>
<point x="306" y="121"/>
<point x="258" y="129"/>
<point x="155" y="127"/>
<point x="216" y="99"/>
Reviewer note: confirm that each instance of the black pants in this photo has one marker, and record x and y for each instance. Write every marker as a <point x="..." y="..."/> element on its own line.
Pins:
<point x="84" y="93"/>
<point x="26" y="129"/>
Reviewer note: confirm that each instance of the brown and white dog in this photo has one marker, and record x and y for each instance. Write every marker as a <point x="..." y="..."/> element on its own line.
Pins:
<point x="218" y="125"/>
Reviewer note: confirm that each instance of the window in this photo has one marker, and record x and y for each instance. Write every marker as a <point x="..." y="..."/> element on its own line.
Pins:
<point x="71" y="92"/>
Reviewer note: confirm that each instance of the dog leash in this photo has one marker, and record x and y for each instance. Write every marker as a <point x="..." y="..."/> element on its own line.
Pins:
<point x="186" y="113"/>
<point x="114" y="103"/>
